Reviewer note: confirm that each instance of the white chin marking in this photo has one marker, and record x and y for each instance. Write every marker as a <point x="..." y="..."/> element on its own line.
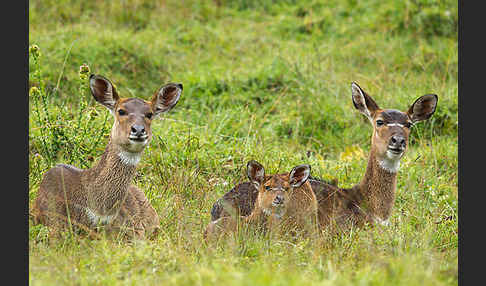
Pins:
<point x="391" y="162"/>
<point x="393" y="156"/>
<point x="269" y="212"/>
<point x="137" y="146"/>
<point x="129" y="158"/>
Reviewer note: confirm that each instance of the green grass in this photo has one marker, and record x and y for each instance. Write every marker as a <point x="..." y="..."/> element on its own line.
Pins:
<point x="264" y="80"/>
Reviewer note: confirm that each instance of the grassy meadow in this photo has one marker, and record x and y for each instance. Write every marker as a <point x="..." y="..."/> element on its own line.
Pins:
<point x="264" y="80"/>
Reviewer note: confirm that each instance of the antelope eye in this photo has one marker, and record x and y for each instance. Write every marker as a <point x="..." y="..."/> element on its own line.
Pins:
<point x="267" y="188"/>
<point x="379" y="122"/>
<point x="122" y="112"/>
<point x="408" y="125"/>
<point x="149" y="115"/>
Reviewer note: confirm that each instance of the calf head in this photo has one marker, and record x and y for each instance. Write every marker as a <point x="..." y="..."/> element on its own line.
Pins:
<point x="275" y="191"/>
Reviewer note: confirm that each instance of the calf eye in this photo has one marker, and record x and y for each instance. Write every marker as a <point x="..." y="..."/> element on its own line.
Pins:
<point x="379" y="122"/>
<point x="122" y="112"/>
<point x="149" y="115"/>
<point x="267" y="188"/>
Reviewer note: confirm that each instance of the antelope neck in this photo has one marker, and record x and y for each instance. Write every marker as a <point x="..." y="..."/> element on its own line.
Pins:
<point x="377" y="190"/>
<point x="107" y="182"/>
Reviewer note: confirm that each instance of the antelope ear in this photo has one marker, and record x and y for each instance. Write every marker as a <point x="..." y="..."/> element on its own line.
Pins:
<point x="166" y="98"/>
<point x="423" y="107"/>
<point x="363" y="102"/>
<point x="255" y="172"/>
<point x="103" y="91"/>
<point x="299" y="175"/>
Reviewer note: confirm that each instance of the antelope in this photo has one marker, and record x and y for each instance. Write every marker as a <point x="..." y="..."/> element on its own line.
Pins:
<point x="102" y="196"/>
<point x="239" y="201"/>
<point x="370" y="201"/>
<point x="284" y="202"/>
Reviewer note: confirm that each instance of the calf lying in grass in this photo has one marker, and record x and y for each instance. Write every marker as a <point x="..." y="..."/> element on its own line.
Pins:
<point x="284" y="203"/>
<point x="371" y="200"/>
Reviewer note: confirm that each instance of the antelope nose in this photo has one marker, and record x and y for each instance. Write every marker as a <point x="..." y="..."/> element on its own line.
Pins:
<point x="279" y="199"/>
<point x="138" y="130"/>
<point x="397" y="141"/>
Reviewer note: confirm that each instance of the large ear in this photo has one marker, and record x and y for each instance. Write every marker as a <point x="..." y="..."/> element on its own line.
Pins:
<point x="166" y="97"/>
<point x="299" y="175"/>
<point x="423" y="107"/>
<point x="103" y="91"/>
<point x="255" y="172"/>
<point x="363" y="102"/>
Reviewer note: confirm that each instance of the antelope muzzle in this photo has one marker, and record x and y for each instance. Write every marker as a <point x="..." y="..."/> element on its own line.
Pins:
<point x="138" y="133"/>
<point x="278" y="201"/>
<point x="397" y="144"/>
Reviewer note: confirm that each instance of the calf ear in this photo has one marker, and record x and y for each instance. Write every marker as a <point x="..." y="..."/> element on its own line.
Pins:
<point x="103" y="91"/>
<point x="166" y="98"/>
<point x="363" y="102"/>
<point x="255" y="172"/>
<point x="299" y="175"/>
<point x="423" y="107"/>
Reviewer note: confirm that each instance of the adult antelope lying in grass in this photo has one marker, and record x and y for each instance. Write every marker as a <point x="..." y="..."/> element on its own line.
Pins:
<point x="371" y="200"/>
<point x="284" y="203"/>
<point x="102" y="195"/>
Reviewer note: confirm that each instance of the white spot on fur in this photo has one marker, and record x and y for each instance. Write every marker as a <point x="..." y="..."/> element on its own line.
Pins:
<point x="395" y="124"/>
<point x="269" y="212"/>
<point x="99" y="219"/>
<point x="385" y="222"/>
<point x="129" y="158"/>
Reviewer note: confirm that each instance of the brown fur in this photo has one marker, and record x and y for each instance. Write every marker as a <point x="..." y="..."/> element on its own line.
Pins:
<point x="300" y="205"/>
<point x="298" y="211"/>
<point x="239" y="201"/>
<point x="371" y="200"/>
<point x="72" y="198"/>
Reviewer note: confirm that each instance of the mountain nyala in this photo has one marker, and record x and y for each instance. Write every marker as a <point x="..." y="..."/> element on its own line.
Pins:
<point x="372" y="199"/>
<point x="103" y="196"/>
<point x="284" y="203"/>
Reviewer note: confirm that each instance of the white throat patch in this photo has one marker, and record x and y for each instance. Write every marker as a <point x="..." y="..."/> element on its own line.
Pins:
<point x="129" y="158"/>
<point x="390" y="163"/>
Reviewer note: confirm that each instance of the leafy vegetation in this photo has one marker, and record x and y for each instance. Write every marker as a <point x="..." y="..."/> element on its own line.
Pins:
<point x="267" y="80"/>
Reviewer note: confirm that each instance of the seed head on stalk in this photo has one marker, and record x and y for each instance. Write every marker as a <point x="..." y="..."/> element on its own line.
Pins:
<point x="35" y="51"/>
<point x="84" y="72"/>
